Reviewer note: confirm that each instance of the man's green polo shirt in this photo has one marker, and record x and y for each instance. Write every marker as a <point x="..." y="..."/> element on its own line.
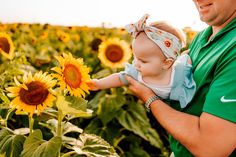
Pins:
<point x="214" y="71"/>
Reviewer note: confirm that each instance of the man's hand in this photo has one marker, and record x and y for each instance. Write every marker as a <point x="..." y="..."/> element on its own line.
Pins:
<point x="140" y="90"/>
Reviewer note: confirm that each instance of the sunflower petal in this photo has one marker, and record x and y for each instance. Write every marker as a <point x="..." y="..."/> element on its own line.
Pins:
<point x="16" y="81"/>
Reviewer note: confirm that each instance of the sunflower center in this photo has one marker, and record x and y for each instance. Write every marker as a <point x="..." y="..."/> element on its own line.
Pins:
<point x="72" y="76"/>
<point x="35" y="95"/>
<point x="114" y="53"/>
<point x="4" y="45"/>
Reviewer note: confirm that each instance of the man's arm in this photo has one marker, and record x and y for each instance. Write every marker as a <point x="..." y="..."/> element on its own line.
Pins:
<point x="206" y="135"/>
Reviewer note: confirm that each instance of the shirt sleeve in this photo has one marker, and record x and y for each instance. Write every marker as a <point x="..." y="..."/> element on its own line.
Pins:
<point x="129" y="70"/>
<point x="221" y="98"/>
<point x="184" y="86"/>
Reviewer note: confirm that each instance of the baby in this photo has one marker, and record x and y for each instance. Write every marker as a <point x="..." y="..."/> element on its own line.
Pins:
<point x="157" y="63"/>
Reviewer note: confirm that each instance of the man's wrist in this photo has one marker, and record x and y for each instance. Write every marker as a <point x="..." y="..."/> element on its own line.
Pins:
<point x="150" y="100"/>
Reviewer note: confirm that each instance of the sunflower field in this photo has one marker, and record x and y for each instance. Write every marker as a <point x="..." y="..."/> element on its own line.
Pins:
<point x="46" y="107"/>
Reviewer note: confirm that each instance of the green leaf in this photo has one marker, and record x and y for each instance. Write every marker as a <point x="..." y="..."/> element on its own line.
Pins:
<point x="134" y="150"/>
<point x="68" y="142"/>
<point x="77" y="102"/>
<point x="67" y="127"/>
<point x="93" y="104"/>
<point x="73" y="105"/>
<point x="102" y="73"/>
<point x="95" y="146"/>
<point x="21" y="131"/>
<point x="51" y="124"/>
<point x="48" y="113"/>
<point x="134" y="119"/>
<point x="109" y="107"/>
<point x="35" y="146"/>
<point x="11" y="145"/>
<point x="4" y="98"/>
<point x="110" y="132"/>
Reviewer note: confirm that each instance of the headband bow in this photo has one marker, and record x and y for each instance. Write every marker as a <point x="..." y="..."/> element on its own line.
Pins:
<point x="168" y="43"/>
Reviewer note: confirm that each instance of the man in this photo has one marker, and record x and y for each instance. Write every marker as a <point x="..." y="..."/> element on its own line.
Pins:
<point x="207" y="126"/>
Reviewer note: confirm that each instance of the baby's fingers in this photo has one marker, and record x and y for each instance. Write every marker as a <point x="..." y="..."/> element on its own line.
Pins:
<point x="92" y="85"/>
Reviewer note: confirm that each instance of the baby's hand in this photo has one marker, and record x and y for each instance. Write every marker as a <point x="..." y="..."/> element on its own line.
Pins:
<point x="93" y="84"/>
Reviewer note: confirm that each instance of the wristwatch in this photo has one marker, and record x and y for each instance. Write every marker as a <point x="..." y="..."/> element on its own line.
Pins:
<point x="150" y="100"/>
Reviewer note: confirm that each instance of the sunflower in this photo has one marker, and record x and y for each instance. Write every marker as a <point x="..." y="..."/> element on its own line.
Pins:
<point x="44" y="35"/>
<point x="114" y="53"/>
<point x="72" y="75"/>
<point x="3" y="27"/>
<point x="191" y="35"/>
<point x="62" y="36"/>
<point x="6" y="46"/>
<point x="34" y="94"/>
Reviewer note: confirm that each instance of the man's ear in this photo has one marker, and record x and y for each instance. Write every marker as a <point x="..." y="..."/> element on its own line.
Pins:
<point x="167" y="63"/>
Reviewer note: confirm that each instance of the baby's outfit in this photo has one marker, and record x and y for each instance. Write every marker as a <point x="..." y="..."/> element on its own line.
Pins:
<point x="181" y="87"/>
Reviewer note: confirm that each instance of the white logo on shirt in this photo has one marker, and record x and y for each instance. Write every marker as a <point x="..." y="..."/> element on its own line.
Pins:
<point x="222" y="99"/>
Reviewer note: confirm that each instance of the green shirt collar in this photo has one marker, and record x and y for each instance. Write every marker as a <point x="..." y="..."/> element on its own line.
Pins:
<point x="208" y="31"/>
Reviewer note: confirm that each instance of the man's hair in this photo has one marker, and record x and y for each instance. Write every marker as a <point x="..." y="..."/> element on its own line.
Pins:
<point x="165" y="26"/>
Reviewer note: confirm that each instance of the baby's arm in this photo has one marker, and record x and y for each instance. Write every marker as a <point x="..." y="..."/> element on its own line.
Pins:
<point x="110" y="81"/>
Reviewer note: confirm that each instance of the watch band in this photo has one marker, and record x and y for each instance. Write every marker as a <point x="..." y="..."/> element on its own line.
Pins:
<point x="150" y="100"/>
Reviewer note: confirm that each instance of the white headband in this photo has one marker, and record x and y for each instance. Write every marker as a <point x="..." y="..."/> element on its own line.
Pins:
<point x="168" y="43"/>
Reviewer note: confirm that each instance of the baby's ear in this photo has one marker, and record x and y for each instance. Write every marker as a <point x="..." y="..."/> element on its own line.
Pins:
<point x="168" y="63"/>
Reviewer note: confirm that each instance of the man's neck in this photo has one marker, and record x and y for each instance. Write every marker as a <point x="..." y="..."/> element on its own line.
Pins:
<point x="216" y="29"/>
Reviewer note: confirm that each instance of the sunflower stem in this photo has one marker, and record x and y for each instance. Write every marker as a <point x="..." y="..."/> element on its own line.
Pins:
<point x="59" y="127"/>
<point x="31" y="124"/>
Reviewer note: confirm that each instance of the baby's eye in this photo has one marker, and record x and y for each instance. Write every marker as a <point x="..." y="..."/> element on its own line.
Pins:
<point x="144" y="61"/>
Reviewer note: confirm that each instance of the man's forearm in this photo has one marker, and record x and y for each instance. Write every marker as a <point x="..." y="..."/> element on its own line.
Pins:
<point x="193" y="132"/>
<point x="178" y="124"/>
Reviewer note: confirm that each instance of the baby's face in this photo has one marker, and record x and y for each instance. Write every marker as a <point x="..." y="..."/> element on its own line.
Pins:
<point x="149" y="59"/>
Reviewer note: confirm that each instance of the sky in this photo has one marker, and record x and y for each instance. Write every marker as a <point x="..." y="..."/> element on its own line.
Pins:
<point x="113" y="13"/>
